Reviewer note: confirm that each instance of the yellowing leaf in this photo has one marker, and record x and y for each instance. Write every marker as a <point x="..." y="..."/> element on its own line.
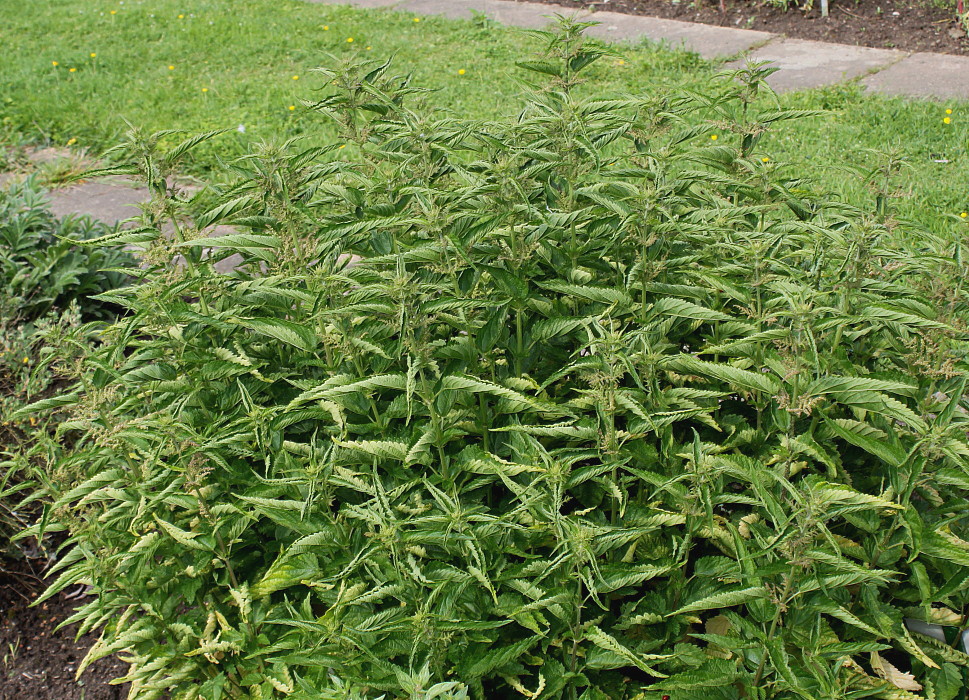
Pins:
<point x="903" y="681"/>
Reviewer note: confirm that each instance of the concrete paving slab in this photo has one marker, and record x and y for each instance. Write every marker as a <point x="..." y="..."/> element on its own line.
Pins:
<point x="358" y="3"/>
<point x="50" y="154"/>
<point x="516" y="14"/>
<point x="101" y="200"/>
<point x="452" y="9"/>
<point x="228" y="264"/>
<point x="529" y="15"/>
<point x="707" y="40"/>
<point x="808" y="64"/>
<point x="927" y="75"/>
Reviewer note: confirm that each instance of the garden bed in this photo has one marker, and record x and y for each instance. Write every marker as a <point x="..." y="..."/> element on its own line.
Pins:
<point x="38" y="662"/>
<point x="884" y="24"/>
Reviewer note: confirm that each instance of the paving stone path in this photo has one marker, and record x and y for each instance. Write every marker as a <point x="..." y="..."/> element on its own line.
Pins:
<point x="108" y="201"/>
<point x="803" y="64"/>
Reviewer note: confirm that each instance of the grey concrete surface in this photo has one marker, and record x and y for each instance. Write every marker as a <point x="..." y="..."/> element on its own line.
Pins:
<point x="809" y="64"/>
<point x="708" y="41"/>
<point x="924" y="75"/>
<point x="105" y="201"/>
<point x="528" y="15"/>
<point x="358" y="3"/>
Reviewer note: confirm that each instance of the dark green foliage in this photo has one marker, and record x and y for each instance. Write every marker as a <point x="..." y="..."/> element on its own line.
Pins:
<point x="31" y="368"/>
<point x="41" y="266"/>
<point x="582" y="405"/>
<point x="45" y="283"/>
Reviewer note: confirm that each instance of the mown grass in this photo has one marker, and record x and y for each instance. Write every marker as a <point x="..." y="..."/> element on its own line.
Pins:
<point x="192" y="65"/>
<point x="212" y="68"/>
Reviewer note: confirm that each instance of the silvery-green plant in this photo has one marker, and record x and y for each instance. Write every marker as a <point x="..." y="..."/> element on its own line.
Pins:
<point x="582" y="404"/>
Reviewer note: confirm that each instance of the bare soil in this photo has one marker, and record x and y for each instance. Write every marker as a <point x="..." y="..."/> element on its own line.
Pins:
<point x="907" y="25"/>
<point x="37" y="662"/>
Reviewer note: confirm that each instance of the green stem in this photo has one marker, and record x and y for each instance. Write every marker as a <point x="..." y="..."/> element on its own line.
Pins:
<point x="788" y="586"/>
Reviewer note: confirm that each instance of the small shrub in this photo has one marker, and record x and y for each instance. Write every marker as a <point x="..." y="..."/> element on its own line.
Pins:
<point x="597" y="402"/>
<point x="42" y="267"/>
<point x="46" y="281"/>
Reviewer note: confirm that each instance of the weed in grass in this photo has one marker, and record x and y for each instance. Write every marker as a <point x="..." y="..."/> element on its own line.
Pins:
<point x="62" y="170"/>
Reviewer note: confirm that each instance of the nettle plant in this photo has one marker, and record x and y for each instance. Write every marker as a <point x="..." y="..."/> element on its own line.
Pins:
<point x="582" y="404"/>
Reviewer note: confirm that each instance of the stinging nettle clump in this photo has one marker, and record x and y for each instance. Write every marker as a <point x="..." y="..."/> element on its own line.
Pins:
<point x="580" y="404"/>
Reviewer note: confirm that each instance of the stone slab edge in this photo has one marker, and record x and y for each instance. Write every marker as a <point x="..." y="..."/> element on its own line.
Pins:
<point x="807" y="64"/>
<point x="924" y="75"/>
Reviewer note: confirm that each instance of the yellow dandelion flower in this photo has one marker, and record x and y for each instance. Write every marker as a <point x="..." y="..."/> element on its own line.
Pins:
<point x="343" y="145"/>
<point x="350" y="40"/>
<point x="205" y="89"/>
<point x="114" y="12"/>
<point x="26" y="360"/>
<point x="713" y="137"/>
<point x="292" y="108"/>
<point x="72" y="70"/>
<point x="947" y="120"/>
<point x="948" y="111"/>
<point x="94" y="55"/>
<point x="461" y="71"/>
<point x="964" y="214"/>
<point x="54" y="63"/>
<point x="295" y="77"/>
<point x="369" y="47"/>
<point x="326" y="27"/>
<point x="765" y="159"/>
<point x="71" y="141"/>
<point x="171" y="68"/>
<point x="620" y="62"/>
<point x="181" y="16"/>
<point x="417" y="19"/>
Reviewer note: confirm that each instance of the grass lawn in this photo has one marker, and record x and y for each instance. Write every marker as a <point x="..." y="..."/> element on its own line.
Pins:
<point x="72" y="72"/>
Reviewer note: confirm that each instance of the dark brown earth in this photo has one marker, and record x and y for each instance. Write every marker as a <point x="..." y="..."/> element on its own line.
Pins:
<point x="917" y="26"/>
<point x="37" y="663"/>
